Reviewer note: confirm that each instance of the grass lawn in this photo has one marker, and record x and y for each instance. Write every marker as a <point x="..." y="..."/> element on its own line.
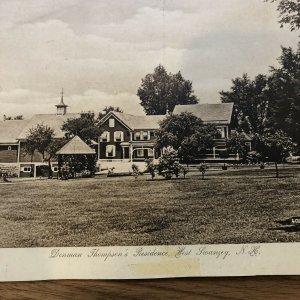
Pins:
<point x="234" y="206"/>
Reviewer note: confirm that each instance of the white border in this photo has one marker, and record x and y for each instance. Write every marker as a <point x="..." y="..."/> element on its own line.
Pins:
<point x="22" y="264"/>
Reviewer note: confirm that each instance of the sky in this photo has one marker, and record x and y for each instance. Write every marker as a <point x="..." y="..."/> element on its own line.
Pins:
<point x="99" y="50"/>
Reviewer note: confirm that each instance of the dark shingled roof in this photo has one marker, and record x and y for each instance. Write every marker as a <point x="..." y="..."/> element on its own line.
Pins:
<point x="137" y="122"/>
<point x="51" y="120"/>
<point x="209" y="113"/>
<point x="76" y="146"/>
<point x="10" y="130"/>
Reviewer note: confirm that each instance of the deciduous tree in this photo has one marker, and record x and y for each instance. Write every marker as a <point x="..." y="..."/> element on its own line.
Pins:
<point x="107" y="109"/>
<point x="284" y="83"/>
<point x="85" y="127"/>
<point x="161" y="91"/>
<point x="289" y="13"/>
<point x="187" y="134"/>
<point x="274" y="146"/>
<point x="251" y="103"/>
<point x="42" y="139"/>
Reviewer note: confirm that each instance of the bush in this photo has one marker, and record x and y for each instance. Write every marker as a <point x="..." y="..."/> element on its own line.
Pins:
<point x="135" y="170"/>
<point x="168" y="164"/>
<point x="203" y="168"/>
<point x="184" y="170"/>
<point x="150" y="167"/>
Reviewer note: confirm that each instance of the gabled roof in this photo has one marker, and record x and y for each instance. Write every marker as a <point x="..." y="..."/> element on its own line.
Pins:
<point x="10" y="130"/>
<point x="76" y="146"/>
<point x="209" y="113"/>
<point x="51" y="120"/>
<point x="136" y="122"/>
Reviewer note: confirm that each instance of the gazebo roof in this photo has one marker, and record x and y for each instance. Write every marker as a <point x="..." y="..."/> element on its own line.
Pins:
<point x="76" y="146"/>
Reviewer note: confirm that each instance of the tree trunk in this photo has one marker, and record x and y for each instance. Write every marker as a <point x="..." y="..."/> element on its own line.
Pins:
<point x="276" y="168"/>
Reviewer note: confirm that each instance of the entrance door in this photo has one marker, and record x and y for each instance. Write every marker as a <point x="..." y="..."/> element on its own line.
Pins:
<point x="42" y="171"/>
<point x="126" y="153"/>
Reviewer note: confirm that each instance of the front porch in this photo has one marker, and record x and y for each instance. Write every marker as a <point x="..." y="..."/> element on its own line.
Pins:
<point x="127" y="152"/>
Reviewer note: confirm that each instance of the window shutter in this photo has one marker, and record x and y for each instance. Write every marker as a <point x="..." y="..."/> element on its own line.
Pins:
<point x="122" y="136"/>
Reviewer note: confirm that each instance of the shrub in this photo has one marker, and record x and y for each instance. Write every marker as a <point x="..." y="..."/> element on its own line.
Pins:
<point x="184" y="170"/>
<point x="135" y="170"/>
<point x="150" y="167"/>
<point x="203" y="168"/>
<point x="168" y="164"/>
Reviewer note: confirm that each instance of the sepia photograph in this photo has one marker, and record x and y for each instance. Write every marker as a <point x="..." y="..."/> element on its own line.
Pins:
<point x="140" y="123"/>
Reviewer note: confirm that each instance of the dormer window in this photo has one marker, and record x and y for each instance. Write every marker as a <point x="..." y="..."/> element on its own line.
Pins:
<point x="118" y="136"/>
<point x="145" y="135"/>
<point x="142" y="135"/>
<point x="104" y="137"/>
<point x="111" y="122"/>
<point x="137" y="136"/>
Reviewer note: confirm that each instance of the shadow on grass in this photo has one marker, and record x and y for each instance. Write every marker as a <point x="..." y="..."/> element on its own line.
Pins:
<point x="166" y="180"/>
<point x="294" y="228"/>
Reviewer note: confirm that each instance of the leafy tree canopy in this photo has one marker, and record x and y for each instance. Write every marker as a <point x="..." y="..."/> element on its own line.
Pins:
<point x="161" y="91"/>
<point x="186" y="134"/>
<point x="236" y="145"/>
<point x="85" y="127"/>
<point x="108" y="109"/>
<point x="18" y="117"/>
<point x="40" y="138"/>
<point x="284" y="85"/>
<point x="289" y="13"/>
<point x="269" y="101"/>
<point x="274" y="146"/>
<point x="251" y="103"/>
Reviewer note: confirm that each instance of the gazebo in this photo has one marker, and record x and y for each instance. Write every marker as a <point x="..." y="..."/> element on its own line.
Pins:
<point x="76" y="157"/>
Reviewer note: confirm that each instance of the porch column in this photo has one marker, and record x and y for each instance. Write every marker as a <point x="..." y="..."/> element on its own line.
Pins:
<point x="123" y="152"/>
<point x="214" y="152"/>
<point x="130" y="152"/>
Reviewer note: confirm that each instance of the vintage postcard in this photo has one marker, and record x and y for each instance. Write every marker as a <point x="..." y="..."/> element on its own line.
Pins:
<point x="149" y="138"/>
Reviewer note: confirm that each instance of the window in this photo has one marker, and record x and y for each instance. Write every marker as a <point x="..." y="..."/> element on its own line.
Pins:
<point x="104" y="136"/>
<point x="110" y="151"/>
<point x="9" y="148"/>
<point x="142" y="135"/>
<point x="222" y="132"/>
<point x="111" y="123"/>
<point x="26" y="169"/>
<point x="150" y="152"/>
<point x="140" y="152"/>
<point x="118" y="136"/>
<point x="145" y="135"/>
<point x="137" y="136"/>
